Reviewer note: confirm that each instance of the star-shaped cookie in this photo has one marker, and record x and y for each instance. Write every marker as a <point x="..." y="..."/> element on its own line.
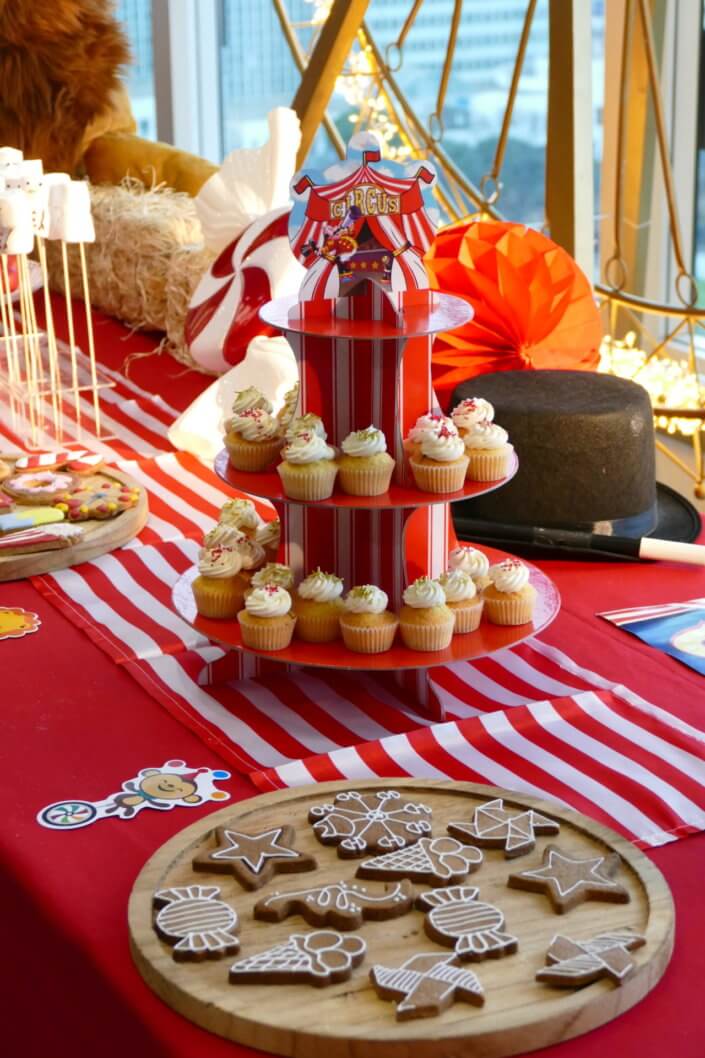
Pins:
<point x="253" y="858"/>
<point x="568" y="880"/>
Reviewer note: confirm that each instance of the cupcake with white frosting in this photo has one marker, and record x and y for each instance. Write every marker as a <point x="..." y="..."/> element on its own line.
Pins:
<point x="473" y="561"/>
<point x="489" y="452"/>
<point x="318" y="605"/>
<point x="365" y="466"/>
<point x="219" y="589"/>
<point x="253" y="437"/>
<point x="240" y="514"/>
<point x="425" y="621"/>
<point x="462" y="598"/>
<point x="309" y="469"/>
<point x="470" y="412"/>
<point x="273" y="573"/>
<point x="425" y="426"/>
<point x="267" y="621"/>
<point x="287" y="411"/>
<point x="308" y="423"/>
<point x="252" y="554"/>
<point x="268" y="535"/>
<point x="441" y="464"/>
<point x="366" y="624"/>
<point x="510" y="597"/>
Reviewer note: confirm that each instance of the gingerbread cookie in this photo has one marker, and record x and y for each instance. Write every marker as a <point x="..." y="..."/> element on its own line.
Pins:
<point x="494" y="827"/>
<point x="341" y="905"/>
<point x="456" y="919"/>
<point x="435" y="861"/>
<point x="574" y="963"/>
<point x="427" y="984"/>
<point x="568" y="881"/>
<point x="254" y="858"/>
<point x="97" y="497"/>
<point x="320" y="958"/>
<point x="196" y="923"/>
<point x="39" y="487"/>
<point x="369" y="822"/>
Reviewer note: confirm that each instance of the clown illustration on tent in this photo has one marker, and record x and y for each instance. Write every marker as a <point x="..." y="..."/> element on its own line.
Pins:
<point x="366" y="226"/>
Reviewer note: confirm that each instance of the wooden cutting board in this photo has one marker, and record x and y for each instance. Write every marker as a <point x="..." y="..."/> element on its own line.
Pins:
<point x="348" y="1019"/>
<point x="99" y="537"/>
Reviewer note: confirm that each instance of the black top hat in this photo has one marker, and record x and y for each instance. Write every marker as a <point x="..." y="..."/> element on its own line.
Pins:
<point x="585" y="443"/>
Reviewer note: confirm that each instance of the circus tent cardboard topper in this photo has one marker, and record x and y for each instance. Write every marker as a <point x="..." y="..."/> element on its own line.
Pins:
<point x="362" y="220"/>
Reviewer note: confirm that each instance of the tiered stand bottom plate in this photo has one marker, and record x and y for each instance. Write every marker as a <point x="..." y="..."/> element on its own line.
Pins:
<point x="486" y="640"/>
<point x="348" y="1020"/>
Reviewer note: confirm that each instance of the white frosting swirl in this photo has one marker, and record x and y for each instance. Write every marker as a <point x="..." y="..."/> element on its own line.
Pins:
<point x="273" y="573"/>
<point x="309" y="423"/>
<point x="241" y="514"/>
<point x="457" y="586"/>
<point x="218" y="562"/>
<point x="423" y="593"/>
<point x="223" y="536"/>
<point x="429" y="424"/>
<point x="307" y="448"/>
<point x="246" y="399"/>
<point x="268" y="534"/>
<point x="366" y="598"/>
<point x="269" y="601"/>
<point x="256" y="424"/>
<point x="471" y="411"/>
<point x="442" y="447"/>
<point x="469" y="560"/>
<point x="251" y="553"/>
<point x="291" y="399"/>
<point x="369" y="442"/>
<point x="509" y="575"/>
<point x="486" y="435"/>
<point x="320" y="587"/>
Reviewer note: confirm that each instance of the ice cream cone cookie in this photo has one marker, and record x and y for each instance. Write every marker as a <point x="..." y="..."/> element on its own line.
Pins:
<point x="426" y="426"/>
<point x="365" y="466"/>
<point x="308" y="423"/>
<point x="219" y="589"/>
<point x="442" y="463"/>
<point x="462" y="598"/>
<point x="470" y="412"/>
<point x="267" y="622"/>
<point x="489" y="452"/>
<point x="510" y="597"/>
<point x="367" y="626"/>
<point x="473" y="561"/>
<point x="40" y="487"/>
<point x="425" y="622"/>
<point x="309" y="470"/>
<point x="318" y="606"/>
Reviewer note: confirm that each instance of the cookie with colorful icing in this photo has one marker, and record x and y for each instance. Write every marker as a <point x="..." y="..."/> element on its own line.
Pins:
<point x="16" y="521"/>
<point x="82" y="463"/>
<point x="42" y="460"/>
<point x="321" y="958"/>
<point x="426" y="985"/>
<point x="39" y="487"/>
<point x="196" y="923"/>
<point x="435" y="861"/>
<point x="376" y="821"/>
<point x="28" y="541"/>
<point x="457" y="919"/>
<point x="6" y="503"/>
<point x="340" y="905"/>
<point x="253" y="859"/>
<point x="576" y="963"/>
<point x="570" y="880"/>
<point x="99" y="497"/>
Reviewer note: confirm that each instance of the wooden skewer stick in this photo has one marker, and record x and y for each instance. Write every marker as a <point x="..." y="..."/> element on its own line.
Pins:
<point x="13" y="333"/>
<point x="72" y="337"/>
<point x="53" y="352"/>
<point x="10" y="348"/>
<point x="38" y="379"/>
<point x="89" y="331"/>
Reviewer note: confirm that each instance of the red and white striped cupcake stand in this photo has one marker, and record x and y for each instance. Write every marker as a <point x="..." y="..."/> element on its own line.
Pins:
<point x="366" y="359"/>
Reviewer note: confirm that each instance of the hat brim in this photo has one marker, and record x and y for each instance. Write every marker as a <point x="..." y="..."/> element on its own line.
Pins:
<point x="677" y="519"/>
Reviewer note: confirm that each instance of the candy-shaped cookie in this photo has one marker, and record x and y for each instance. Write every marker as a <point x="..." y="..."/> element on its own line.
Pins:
<point x="457" y="919"/>
<point x="320" y="958"/>
<point x="427" y="984"/>
<point x="435" y="861"/>
<point x="254" y="858"/>
<point x="40" y="487"/>
<point x="340" y="905"/>
<point x="569" y="880"/>
<point x="196" y="922"/>
<point x="42" y="460"/>
<point x="374" y="821"/>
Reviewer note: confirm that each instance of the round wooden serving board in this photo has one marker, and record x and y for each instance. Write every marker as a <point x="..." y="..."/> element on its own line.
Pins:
<point x="348" y="1020"/>
<point x="99" y="537"/>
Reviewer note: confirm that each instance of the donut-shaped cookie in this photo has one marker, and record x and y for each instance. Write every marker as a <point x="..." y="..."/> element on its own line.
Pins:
<point x="97" y="497"/>
<point x="39" y="486"/>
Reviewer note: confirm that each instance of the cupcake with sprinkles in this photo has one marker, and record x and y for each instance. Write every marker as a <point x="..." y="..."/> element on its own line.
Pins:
<point x="425" y="621"/>
<point x="425" y="426"/>
<point x="367" y="626"/>
<point x="365" y="466"/>
<point x="489" y="452"/>
<point x="308" y="423"/>
<point x="442" y="463"/>
<point x="318" y="606"/>
<point x="240" y="514"/>
<point x="268" y="536"/>
<point x="473" y="561"/>
<point x="470" y="412"/>
<point x="309" y="469"/>
<point x="219" y="589"/>
<point x="273" y="573"/>
<point x="510" y="597"/>
<point x="463" y="599"/>
<point x="267" y="621"/>
<point x="253" y="437"/>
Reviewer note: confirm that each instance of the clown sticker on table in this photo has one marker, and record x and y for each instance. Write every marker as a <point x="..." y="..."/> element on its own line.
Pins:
<point x="174" y="785"/>
<point x="16" y="622"/>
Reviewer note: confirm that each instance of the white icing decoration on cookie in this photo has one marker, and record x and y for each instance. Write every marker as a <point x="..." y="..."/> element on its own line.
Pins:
<point x="361" y="822"/>
<point x="457" y="919"/>
<point x="199" y="923"/>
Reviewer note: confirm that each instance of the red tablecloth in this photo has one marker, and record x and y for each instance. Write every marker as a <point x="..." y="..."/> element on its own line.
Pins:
<point x="75" y="725"/>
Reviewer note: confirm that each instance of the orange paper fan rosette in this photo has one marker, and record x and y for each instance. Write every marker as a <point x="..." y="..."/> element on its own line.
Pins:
<point x="534" y="308"/>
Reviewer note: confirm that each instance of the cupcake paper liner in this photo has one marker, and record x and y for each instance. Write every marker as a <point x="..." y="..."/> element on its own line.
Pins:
<point x="369" y="639"/>
<point x="516" y="609"/>
<point x="467" y="615"/>
<point x="317" y="628"/>
<point x="439" y="477"/>
<point x="314" y="484"/>
<point x="488" y="464"/>
<point x="364" y="481"/>
<point x="427" y="637"/>
<point x="217" y="598"/>
<point x="266" y="636"/>
<point x="252" y="456"/>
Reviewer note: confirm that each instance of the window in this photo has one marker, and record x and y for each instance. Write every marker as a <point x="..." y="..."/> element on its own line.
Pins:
<point x="136" y="16"/>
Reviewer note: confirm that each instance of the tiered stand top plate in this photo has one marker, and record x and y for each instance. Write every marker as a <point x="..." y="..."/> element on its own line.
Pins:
<point x="486" y="640"/>
<point x="348" y="1020"/>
